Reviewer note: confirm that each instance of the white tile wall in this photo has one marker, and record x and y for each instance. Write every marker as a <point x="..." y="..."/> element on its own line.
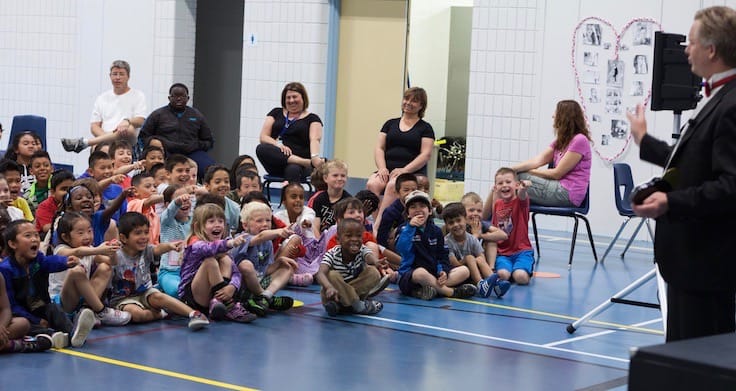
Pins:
<point x="502" y="105"/>
<point x="54" y="57"/>
<point x="290" y="45"/>
<point x="520" y="67"/>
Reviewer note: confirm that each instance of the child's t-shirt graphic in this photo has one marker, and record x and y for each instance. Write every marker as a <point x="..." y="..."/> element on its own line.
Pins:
<point x="513" y="218"/>
<point x="132" y="274"/>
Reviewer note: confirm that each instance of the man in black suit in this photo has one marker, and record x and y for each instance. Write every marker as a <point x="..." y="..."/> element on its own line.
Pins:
<point x="695" y="241"/>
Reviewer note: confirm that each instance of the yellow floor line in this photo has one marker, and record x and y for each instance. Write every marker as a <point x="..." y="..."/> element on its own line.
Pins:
<point x="560" y="316"/>
<point x="157" y="371"/>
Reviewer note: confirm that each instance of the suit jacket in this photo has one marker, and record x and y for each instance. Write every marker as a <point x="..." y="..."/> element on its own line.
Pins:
<point x="695" y="241"/>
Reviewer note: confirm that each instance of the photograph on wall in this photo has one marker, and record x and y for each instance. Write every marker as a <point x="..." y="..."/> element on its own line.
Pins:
<point x="637" y="88"/>
<point x="642" y="33"/>
<point x="640" y="64"/>
<point x="596" y="118"/>
<point x="619" y="129"/>
<point x="590" y="59"/>
<point x="593" y="96"/>
<point x="591" y="77"/>
<point x="615" y="76"/>
<point x="613" y="101"/>
<point x="592" y="34"/>
<point x="604" y="139"/>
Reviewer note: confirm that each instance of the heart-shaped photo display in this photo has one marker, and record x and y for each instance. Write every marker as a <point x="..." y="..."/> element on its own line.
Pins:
<point x="613" y="72"/>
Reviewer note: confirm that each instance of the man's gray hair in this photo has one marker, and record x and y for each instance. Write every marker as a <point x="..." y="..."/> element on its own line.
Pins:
<point x="121" y="64"/>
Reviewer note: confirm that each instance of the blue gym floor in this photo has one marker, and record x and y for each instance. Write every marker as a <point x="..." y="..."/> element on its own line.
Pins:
<point x="518" y="342"/>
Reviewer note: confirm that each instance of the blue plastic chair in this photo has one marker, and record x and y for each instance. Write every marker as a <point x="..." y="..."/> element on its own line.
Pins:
<point x="577" y="213"/>
<point x="62" y="166"/>
<point x="623" y="184"/>
<point x="34" y="123"/>
<point x="268" y="179"/>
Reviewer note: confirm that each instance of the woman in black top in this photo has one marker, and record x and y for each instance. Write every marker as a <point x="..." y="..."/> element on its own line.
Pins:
<point x="404" y="146"/>
<point x="290" y="136"/>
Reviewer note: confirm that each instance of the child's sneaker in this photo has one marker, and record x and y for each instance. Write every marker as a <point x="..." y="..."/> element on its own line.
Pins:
<point x="501" y="288"/>
<point x="197" y="320"/>
<point x="381" y="285"/>
<point x="84" y="321"/>
<point x="217" y="309"/>
<point x="332" y="308"/>
<point x="281" y="303"/>
<point x="257" y="305"/>
<point x="237" y="313"/>
<point x="111" y="317"/>
<point x="425" y="293"/>
<point x="59" y="340"/>
<point x="73" y="144"/>
<point x="302" y="279"/>
<point x="39" y="343"/>
<point x="485" y="287"/>
<point x="464" y="291"/>
<point x="372" y="307"/>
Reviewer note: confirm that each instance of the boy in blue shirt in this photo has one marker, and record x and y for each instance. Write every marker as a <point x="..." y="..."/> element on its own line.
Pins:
<point x="425" y="269"/>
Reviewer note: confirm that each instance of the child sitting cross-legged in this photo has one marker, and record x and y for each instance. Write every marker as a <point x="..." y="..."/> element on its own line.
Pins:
<point x="132" y="290"/>
<point x="425" y="269"/>
<point x="347" y="273"/>
<point x="263" y="273"/>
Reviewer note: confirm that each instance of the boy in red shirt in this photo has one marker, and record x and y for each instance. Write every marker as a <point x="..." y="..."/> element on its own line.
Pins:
<point x="511" y="214"/>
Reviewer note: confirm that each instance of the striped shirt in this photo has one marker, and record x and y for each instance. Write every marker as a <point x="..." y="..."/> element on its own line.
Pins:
<point x="348" y="271"/>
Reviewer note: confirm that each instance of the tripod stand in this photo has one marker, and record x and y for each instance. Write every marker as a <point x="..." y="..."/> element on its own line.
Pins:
<point x="619" y="298"/>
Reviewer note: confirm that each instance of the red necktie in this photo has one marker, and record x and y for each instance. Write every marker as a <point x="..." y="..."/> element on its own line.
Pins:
<point x="710" y="87"/>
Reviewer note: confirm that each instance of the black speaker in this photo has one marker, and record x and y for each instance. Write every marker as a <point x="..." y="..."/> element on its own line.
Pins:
<point x="674" y="86"/>
<point x="707" y="363"/>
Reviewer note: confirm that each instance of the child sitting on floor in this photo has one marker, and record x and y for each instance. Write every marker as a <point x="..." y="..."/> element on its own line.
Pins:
<point x="132" y="290"/>
<point x="175" y="225"/>
<point x="347" y="273"/>
<point x="425" y="269"/>
<point x="263" y="273"/>
<point x="465" y="249"/>
<point x="209" y="278"/>
<point x="511" y="214"/>
<point x="26" y="272"/>
<point x="14" y="328"/>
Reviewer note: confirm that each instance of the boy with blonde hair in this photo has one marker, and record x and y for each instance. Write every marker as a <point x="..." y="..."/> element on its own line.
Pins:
<point x="335" y="176"/>
<point x="263" y="273"/>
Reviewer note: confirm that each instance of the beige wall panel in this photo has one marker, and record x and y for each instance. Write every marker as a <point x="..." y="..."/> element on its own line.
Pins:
<point x="370" y="77"/>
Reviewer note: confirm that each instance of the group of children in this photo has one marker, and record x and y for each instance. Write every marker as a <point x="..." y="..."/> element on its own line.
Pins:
<point x="141" y="241"/>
